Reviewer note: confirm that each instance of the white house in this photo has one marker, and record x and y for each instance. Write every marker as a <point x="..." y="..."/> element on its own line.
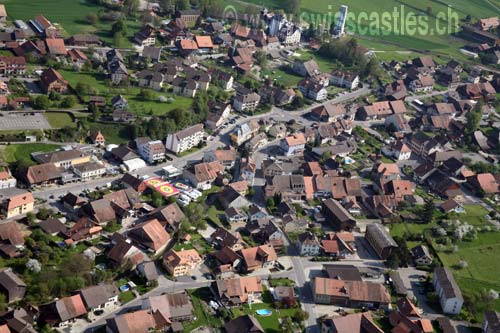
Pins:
<point x="186" y="139"/>
<point x="450" y="296"/>
<point x="344" y="79"/>
<point x="246" y="102"/>
<point x="308" y="244"/>
<point x="293" y="144"/>
<point x="6" y="179"/>
<point x="150" y="151"/>
<point x="89" y="170"/>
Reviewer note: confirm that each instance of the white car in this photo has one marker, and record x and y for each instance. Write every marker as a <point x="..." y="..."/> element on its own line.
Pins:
<point x="185" y="198"/>
<point x="182" y="203"/>
<point x="191" y="195"/>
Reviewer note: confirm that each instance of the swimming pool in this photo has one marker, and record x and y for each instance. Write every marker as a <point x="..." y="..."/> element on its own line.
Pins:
<point x="263" y="312"/>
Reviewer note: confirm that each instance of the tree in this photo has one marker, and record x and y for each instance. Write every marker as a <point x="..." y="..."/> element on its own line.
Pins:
<point x="34" y="265"/>
<point x="42" y="102"/>
<point x="3" y="302"/>
<point x="146" y="95"/>
<point x="131" y="7"/>
<point x="166" y="5"/>
<point x="92" y="18"/>
<point x="182" y="4"/>
<point x="118" y="27"/>
<point x="157" y="199"/>
<point x="68" y="102"/>
<point x="292" y="6"/>
<point x="428" y="213"/>
<point x="261" y="58"/>
<point x="30" y="218"/>
<point x="301" y="315"/>
<point x="473" y="118"/>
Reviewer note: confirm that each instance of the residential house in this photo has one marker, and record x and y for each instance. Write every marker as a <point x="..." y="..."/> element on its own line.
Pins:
<point x="151" y="53"/>
<point x="380" y="240"/>
<point x="289" y="34"/>
<point x="170" y="216"/>
<point x="307" y="68"/>
<point x="484" y="184"/>
<point x="12" y="65"/>
<point x="3" y="14"/>
<point x="55" y="46"/>
<point x="235" y="215"/>
<point x="491" y="322"/>
<point x="219" y="112"/>
<point x="222" y="238"/>
<point x="487" y="24"/>
<point x="338" y="215"/>
<point x="52" y="80"/>
<point x="139" y="321"/>
<point x="63" y="158"/>
<point x="263" y="256"/>
<point x="115" y="65"/>
<point x="328" y="112"/>
<point x="6" y="178"/>
<point x="172" y="307"/>
<point x="53" y="227"/>
<point x="150" y="79"/>
<point x="308" y="244"/>
<point x="245" y="323"/>
<point x="62" y="312"/>
<point x="237" y="291"/>
<point x="11" y="286"/>
<point x="185" y="139"/>
<point x="97" y="138"/>
<point x="244" y="132"/>
<point x="246" y="102"/>
<point x="352" y="323"/>
<point x="293" y="144"/>
<point x="149" y="271"/>
<point x="89" y="170"/>
<point x="312" y="89"/>
<point x="344" y="79"/>
<point x="124" y="254"/>
<point x="150" y="151"/>
<point x="230" y="198"/>
<point x="202" y="175"/>
<point x="350" y="293"/>
<point x="145" y="36"/>
<point x="150" y="235"/>
<point x="72" y="201"/>
<point x="179" y="263"/>
<point x="399" y="150"/>
<point x="421" y="255"/>
<point x="84" y="40"/>
<point x="450" y="296"/>
<point x="15" y="202"/>
<point x="380" y="110"/>
<point x="221" y="78"/>
<point x="99" y="297"/>
<point x="11" y="239"/>
<point x="406" y="318"/>
<point x="225" y="156"/>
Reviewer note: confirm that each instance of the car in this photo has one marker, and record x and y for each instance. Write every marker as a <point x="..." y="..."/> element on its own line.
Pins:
<point x="193" y="277"/>
<point x="182" y="202"/>
<point x="98" y="312"/>
<point x="185" y="198"/>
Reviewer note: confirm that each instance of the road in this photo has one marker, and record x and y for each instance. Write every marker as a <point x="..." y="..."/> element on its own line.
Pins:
<point x="222" y="140"/>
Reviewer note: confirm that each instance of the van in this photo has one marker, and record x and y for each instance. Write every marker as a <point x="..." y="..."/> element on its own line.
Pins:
<point x="182" y="203"/>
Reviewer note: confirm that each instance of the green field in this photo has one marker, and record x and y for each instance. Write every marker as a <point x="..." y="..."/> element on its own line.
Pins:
<point x="114" y="133"/>
<point x="142" y="108"/>
<point x="17" y="152"/>
<point x="59" y="119"/>
<point x="483" y="258"/>
<point x="68" y="15"/>
<point x="435" y="37"/>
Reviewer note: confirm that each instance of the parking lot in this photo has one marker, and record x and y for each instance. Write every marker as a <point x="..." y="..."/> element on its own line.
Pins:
<point x="23" y="121"/>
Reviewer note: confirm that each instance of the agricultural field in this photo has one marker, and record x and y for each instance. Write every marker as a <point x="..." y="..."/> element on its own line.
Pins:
<point x="427" y="10"/>
<point x="18" y="152"/>
<point x="137" y="105"/>
<point x="482" y="256"/>
<point x="69" y="15"/>
<point x="59" y="119"/>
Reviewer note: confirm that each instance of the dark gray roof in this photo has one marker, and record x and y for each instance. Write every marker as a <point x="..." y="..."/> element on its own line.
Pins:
<point x="94" y="296"/>
<point x="493" y="319"/>
<point x="343" y="272"/>
<point x="447" y="282"/>
<point x="242" y="324"/>
<point x="380" y="235"/>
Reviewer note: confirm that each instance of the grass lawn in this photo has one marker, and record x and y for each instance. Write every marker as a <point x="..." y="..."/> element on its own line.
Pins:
<point x="282" y="77"/>
<point x="474" y="215"/>
<point x="126" y="296"/>
<point x="69" y="16"/>
<point x="17" y="152"/>
<point x="214" y="215"/>
<point x="482" y="256"/>
<point x="430" y="39"/>
<point x="59" y="119"/>
<point x="269" y="323"/>
<point x="137" y="105"/>
<point x="399" y="229"/>
<point x="114" y="133"/>
<point x="202" y="317"/>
